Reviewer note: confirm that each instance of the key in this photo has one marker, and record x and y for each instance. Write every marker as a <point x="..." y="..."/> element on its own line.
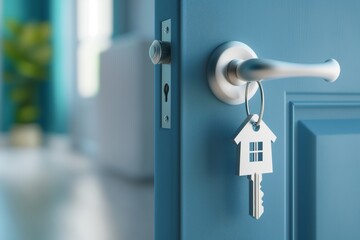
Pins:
<point x="255" y="159"/>
<point x="256" y="195"/>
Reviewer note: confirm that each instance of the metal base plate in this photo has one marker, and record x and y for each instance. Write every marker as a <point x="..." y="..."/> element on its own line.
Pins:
<point x="166" y="79"/>
<point x="217" y="70"/>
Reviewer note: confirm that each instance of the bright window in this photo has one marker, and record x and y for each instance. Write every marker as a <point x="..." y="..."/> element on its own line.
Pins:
<point x="94" y="31"/>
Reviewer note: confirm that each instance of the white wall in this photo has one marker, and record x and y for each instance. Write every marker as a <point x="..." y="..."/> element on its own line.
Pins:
<point x="126" y="108"/>
<point x="140" y="21"/>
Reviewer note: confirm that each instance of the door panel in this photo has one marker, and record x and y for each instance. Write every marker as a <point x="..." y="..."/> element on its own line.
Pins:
<point x="213" y="203"/>
<point x="322" y="112"/>
<point x="327" y="192"/>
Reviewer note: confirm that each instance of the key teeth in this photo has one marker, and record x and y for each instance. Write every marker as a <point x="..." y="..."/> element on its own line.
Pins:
<point x="261" y="206"/>
<point x="261" y="195"/>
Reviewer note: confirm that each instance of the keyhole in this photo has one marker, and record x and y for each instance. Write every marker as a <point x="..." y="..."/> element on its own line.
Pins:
<point x="166" y="91"/>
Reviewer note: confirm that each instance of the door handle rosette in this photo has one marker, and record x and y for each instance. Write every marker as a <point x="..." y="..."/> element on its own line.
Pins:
<point x="233" y="64"/>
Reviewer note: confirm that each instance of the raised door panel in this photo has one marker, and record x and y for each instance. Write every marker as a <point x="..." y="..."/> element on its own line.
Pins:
<point x="327" y="182"/>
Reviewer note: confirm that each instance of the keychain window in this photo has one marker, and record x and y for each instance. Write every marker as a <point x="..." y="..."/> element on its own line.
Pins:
<point x="256" y="151"/>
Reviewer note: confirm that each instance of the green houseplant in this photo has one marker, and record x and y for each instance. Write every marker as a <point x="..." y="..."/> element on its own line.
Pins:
<point x="27" y="52"/>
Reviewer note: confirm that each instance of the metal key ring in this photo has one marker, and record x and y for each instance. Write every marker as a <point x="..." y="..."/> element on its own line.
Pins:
<point x="262" y="102"/>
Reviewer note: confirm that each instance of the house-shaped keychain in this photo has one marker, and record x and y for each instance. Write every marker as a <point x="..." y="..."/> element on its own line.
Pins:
<point x="254" y="147"/>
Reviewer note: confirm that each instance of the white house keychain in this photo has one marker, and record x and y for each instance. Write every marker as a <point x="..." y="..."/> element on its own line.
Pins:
<point x="254" y="138"/>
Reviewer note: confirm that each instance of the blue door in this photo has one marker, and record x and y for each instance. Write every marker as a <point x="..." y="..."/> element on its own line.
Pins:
<point x="313" y="192"/>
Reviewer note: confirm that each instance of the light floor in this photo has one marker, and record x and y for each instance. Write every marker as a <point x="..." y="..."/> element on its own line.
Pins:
<point x="53" y="193"/>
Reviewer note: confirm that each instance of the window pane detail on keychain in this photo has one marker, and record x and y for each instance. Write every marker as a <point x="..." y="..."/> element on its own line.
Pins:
<point x="256" y="151"/>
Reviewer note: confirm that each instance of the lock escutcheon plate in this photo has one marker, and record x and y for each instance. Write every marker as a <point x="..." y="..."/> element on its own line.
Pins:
<point x="166" y="79"/>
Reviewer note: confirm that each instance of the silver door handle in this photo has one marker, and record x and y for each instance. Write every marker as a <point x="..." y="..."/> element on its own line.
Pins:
<point x="233" y="64"/>
<point x="263" y="69"/>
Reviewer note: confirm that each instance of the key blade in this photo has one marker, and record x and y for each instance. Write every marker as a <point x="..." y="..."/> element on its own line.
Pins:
<point x="256" y="195"/>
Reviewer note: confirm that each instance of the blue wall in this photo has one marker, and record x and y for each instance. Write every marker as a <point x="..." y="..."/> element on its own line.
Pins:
<point x="64" y="60"/>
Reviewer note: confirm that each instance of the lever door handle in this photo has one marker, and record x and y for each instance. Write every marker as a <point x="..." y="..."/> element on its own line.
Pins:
<point x="263" y="69"/>
<point x="233" y="64"/>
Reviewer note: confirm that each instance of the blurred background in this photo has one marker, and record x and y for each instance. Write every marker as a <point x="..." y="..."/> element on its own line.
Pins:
<point x="76" y="120"/>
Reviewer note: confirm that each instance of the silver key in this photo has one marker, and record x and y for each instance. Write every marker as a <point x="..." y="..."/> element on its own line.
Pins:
<point x="256" y="195"/>
<point x="255" y="158"/>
